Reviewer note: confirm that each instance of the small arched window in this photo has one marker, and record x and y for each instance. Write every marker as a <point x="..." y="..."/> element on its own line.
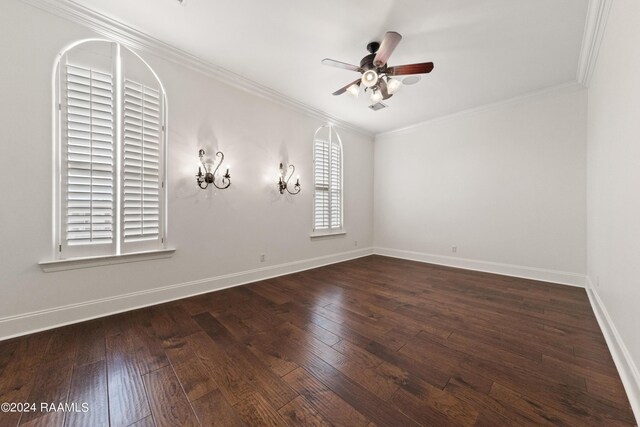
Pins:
<point x="327" y="161"/>
<point x="110" y="149"/>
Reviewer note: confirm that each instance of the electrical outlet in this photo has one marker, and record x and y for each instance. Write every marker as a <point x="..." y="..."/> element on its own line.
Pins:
<point x="261" y="257"/>
<point x="454" y="249"/>
<point x="355" y="243"/>
<point x="597" y="281"/>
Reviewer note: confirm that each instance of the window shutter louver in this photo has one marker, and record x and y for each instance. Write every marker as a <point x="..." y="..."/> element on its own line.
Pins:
<point x="335" y="185"/>
<point x="89" y="157"/>
<point x="142" y="135"/>
<point x="322" y="161"/>
<point x="328" y="182"/>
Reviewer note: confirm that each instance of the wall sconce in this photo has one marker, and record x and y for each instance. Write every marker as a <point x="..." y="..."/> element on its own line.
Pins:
<point x="208" y="177"/>
<point x="283" y="184"/>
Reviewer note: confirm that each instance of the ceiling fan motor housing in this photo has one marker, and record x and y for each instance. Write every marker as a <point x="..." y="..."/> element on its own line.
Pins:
<point x="367" y="62"/>
<point x="367" y="65"/>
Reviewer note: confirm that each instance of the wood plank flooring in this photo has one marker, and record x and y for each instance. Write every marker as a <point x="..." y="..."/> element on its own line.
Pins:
<point x="370" y="342"/>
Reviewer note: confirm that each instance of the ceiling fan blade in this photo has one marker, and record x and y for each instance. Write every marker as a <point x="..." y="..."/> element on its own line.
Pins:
<point x="344" y="89"/>
<point x="388" y="45"/>
<point x="402" y="70"/>
<point x="384" y="90"/>
<point x="334" y="63"/>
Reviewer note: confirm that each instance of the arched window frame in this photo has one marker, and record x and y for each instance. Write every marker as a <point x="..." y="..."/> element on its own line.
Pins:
<point x="120" y="245"/>
<point x="327" y="218"/>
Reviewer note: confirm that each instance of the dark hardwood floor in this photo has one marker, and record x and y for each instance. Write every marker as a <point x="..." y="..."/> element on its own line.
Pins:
<point x="373" y="341"/>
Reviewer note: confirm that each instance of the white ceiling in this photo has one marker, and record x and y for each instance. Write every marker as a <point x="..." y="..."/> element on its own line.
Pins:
<point x="484" y="50"/>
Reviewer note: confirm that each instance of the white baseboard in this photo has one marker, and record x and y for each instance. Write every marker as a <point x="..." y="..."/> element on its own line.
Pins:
<point x="626" y="367"/>
<point x="36" y="321"/>
<point x="544" y="275"/>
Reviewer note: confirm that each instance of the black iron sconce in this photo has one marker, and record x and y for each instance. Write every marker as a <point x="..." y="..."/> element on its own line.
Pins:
<point x="209" y="177"/>
<point x="283" y="183"/>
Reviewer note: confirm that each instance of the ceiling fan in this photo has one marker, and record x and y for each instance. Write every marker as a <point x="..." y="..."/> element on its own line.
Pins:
<point x="377" y="76"/>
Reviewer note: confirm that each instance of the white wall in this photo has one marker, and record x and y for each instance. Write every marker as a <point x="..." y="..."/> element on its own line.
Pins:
<point x="216" y="233"/>
<point x="505" y="184"/>
<point x="614" y="183"/>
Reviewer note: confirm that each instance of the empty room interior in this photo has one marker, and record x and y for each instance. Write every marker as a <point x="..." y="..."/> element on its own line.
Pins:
<point x="336" y="213"/>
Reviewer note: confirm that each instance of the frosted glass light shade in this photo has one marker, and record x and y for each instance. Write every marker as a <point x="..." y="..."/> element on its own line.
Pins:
<point x="370" y="78"/>
<point x="393" y="85"/>
<point x="354" y="90"/>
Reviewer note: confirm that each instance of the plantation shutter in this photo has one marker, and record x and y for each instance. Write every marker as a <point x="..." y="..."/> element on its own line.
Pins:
<point x="335" y="185"/>
<point x="110" y="195"/>
<point x="328" y="180"/>
<point x="142" y="160"/>
<point x="321" y="175"/>
<point x="88" y="156"/>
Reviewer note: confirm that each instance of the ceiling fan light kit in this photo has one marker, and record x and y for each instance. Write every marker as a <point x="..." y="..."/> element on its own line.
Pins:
<point x="393" y="85"/>
<point x="376" y="96"/>
<point x="377" y="76"/>
<point x="354" y="90"/>
<point x="370" y="78"/>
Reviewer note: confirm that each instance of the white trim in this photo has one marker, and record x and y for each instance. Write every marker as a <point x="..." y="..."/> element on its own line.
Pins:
<point x="319" y="234"/>
<point x="533" y="273"/>
<point x="36" y="321"/>
<point x="97" y="261"/>
<point x="594" y="29"/>
<point x="627" y="369"/>
<point x="568" y="87"/>
<point x="138" y="40"/>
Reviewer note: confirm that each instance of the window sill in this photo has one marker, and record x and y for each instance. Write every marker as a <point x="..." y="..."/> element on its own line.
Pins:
<point x="327" y="234"/>
<point x="97" y="261"/>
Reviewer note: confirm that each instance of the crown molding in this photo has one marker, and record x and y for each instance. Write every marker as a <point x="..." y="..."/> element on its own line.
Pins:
<point x="594" y="29"/>
<point x="569" y="87"/>
<point x="140" y="41"/>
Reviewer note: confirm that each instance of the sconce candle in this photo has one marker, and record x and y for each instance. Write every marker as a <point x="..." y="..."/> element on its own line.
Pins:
<point x="208" y="177"/>
<point x="283" y="184"/>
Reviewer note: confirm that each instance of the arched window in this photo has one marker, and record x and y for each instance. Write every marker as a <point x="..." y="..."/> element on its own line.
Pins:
<point x="327" y="161"/>
<point x="110" y="152"/>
